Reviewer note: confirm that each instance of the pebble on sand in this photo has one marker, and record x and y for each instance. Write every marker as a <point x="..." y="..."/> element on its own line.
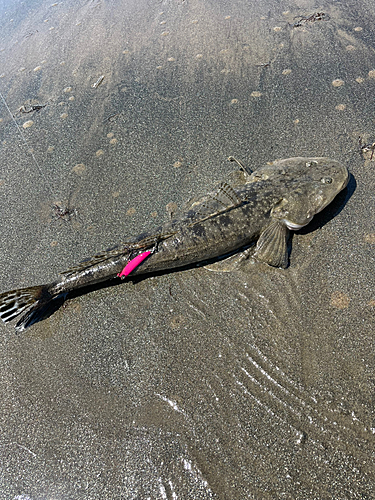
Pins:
<point x="340" y="300"/>
<point x="28" y="124"/>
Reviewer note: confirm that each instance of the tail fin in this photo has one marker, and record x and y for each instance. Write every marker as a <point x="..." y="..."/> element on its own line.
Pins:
<point x="36" y="302"/>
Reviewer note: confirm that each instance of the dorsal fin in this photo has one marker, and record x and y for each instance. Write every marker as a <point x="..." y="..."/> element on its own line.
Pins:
<point x="91" y="261"/>
<point x="122" y="249"/>
<point x="226" y="196"/>
<point x="222" y="200"/>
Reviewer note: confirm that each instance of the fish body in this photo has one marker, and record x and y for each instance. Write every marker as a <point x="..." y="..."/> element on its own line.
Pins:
<point x="276" y="198"/>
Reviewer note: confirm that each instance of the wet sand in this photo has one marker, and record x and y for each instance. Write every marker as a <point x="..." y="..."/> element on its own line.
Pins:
<point x="252" y="384"/>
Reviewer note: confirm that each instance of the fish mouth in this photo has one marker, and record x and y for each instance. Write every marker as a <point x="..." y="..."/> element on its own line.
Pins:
<point x="293" y="226"/>
<point x="343" y="186"/>
<point x="345" y="173"/>
<point x="346" y="182"/>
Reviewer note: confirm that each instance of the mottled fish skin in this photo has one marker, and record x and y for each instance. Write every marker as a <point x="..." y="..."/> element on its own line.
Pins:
<point x="281" y="196"/>
<point x="291" y="191"/>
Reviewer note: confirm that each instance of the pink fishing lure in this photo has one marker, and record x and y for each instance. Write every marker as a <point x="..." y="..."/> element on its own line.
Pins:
<point x="132" y="264"/>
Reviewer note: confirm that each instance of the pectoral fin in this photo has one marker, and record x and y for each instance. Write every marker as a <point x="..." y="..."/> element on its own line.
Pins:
<point x="272" y="245"/>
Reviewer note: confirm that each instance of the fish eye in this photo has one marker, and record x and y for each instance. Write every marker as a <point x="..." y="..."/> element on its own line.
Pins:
<point x="326" y="180"/>
<point x="311" y="163"/>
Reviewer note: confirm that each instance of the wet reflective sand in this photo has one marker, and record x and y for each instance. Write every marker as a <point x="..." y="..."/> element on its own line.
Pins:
<point x="253" y="384"/>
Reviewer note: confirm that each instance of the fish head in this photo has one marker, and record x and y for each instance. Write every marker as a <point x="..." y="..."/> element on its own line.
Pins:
<point x="307" y="186"/>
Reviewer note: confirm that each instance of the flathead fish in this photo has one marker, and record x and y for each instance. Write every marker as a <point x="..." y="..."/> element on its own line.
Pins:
<point x="279" y="197"/>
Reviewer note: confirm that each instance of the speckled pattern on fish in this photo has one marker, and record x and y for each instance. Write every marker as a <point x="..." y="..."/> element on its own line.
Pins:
<point x="281" y="196"/>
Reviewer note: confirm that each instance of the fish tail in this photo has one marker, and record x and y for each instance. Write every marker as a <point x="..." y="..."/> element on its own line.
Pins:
<point x="36" y="302"/>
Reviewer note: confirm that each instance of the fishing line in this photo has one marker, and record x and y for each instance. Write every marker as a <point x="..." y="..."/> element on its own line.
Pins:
<point x="28" y="147"/>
